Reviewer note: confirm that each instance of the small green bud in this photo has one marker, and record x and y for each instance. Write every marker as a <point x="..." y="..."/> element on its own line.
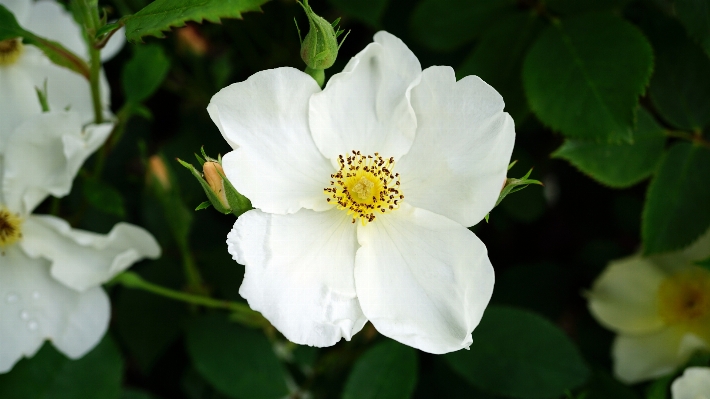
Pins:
<point x="319" y="48"/>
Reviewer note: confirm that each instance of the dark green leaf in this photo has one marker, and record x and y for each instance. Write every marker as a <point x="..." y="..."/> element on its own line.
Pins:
<point x="618" y="165"/>
<point x="58" y="54"/>
<point x="369" y="12"/>
<point x="695" y="15"/>
<point x="680" y="87"/>
<point x="585" y="80"/>
<point x="676" y="211"/>
<point x="579" y="6"/>
<point x="162" y="15"/>
<point x="50" y="375"/>
<point x="238" y="361"/>
<point x="104" y="197"/>
<point x="144" y="72"/>
<point x="448" y="24"/>
<point x="659" y="388"/>
<point x="386" y="371"/>
<point x="518" y="354"/>
<point x="502" y="69"/>
<point x="135" y="394"/>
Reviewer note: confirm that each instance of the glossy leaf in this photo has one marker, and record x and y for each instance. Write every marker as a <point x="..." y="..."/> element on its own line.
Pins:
<point x="445" y="25"/>
<point x="239" y="362"/>
<point x="144" y="72"/>
<point x="51" y="375"/>
<point x="695" y="15"/>
<point x="163" y="15"/>
<point x="503" y="69"/>
<point x="386" y="371"/>
<point x="518" y="354"/>
<point x="618" y="165"/>
<point x="676" y="211"/>
<point x="585" y="81"/>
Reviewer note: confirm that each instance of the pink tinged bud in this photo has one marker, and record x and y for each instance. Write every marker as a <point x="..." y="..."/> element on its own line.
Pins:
<point x="157" y="169"/>
<point x="213" y="173"/>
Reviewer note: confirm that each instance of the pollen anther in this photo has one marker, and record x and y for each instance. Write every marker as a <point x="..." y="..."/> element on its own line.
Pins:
<point x="364" y="185"/>
<point x="10" y="231"/>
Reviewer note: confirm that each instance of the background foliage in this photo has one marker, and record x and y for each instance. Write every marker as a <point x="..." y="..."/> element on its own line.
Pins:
<point x="611" y="101"/>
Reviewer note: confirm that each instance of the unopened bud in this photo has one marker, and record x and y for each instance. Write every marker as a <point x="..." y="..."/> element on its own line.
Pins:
<point x="319" y="48"/>
<point x="157" y="169"/>
<point x="213" y="173"/>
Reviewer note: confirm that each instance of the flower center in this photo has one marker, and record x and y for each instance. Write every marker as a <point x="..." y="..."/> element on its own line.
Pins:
<point x="684" y="299"/>
<point x="365" y="186"/>
<point x="10" y="51"/>
<point x="10" y="231"/>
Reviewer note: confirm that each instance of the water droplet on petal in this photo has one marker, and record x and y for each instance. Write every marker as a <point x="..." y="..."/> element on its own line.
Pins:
<point x="25" y="315"/>
<point x="12" y="298"/>
<point x="32" y="325"/>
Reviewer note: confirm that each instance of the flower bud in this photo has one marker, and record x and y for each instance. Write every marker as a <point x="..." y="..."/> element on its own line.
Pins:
<point x="319" y="48"/>
<point x="157" y="169"/>
<point x="213" y="173"/>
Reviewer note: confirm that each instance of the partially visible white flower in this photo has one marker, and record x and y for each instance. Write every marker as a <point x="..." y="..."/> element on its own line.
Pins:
<point x="363" y="193"/>
<point x="25" y="67"/>
<point x="50" y="273"/>
<point x="693" y="384"/>
<point x="660" y="308"/>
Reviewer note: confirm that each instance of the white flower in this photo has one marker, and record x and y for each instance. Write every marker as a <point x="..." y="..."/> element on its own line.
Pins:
<point x="659" y="306"/>
<point x="693" y="384"/>
<point x="432" y="155"/>
<point x="50" y="274"/>
<point x="25" y="67"/>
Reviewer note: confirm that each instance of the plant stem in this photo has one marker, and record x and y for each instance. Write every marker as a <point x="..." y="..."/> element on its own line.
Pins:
<point x="95" y="79"/>
<point x="241" y="312"/>
<point x="696" y="138"/>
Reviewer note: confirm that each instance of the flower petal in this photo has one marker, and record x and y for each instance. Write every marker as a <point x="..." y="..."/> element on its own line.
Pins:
<point x="81" y="259"/>
<point x="299" y="273"/>
<point x="694" y="384"/>
<point x="422" y="279"/>
<point x="35" y="307"/>
<point x="275" y="162"/>
<point x="49" y="19"/>
<point x="629" y="311"/>
<point x="47" y="152"/>
<point x="20" y="8"/>
<point x="18" y="101"/>
<point x="459" y="159"/>
<point x="366" y="107"/>
<point x="644" y="357"/>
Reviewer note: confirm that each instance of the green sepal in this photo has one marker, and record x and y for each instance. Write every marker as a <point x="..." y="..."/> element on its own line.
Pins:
<point x="513" y="185"/>
<point x="200" y="160"/>
<point x="237" y="201"/>
<point x="206" y="187"/>
<point x="204" y="205"/>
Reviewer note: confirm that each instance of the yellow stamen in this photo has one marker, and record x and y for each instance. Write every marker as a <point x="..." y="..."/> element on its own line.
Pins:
<point x="10" y="227"/>
<point x="10" y="51"/>
<point x="684" y="300"/>
<point x="365" y="186"/>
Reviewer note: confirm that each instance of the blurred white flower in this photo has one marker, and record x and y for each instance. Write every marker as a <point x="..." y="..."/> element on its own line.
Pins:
<point x="693" y="384"/>
<point x="363" y="191"/>
<point x="50" y="274"/>
<point x="24" y="67"/>
<point x="659" y="306"/>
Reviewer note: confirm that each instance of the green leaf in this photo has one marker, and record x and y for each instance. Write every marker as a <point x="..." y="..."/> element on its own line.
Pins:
<point x="104" y="197"/>
<point x="680" y="87"/>
<point x="144" y="72"/>
<point x="239" y="362"/>
<point x="386" y="371"/>
<point x="369" y="12"/>
<point x="518" y="354"/>
<point x="579" y="6"/>
<point x="162" y="15"/>
<point x="58" y="54"/>
<point x="445" y="25"/>
<point x="502" y="69"/>
<point x="203" y="205"/>
<point x="659" y="388"/>
<point x="585" y="81"/>
<point x="676" y="211"/>
<point x="50" y="375"/>
<point x="618" y="165"/>
<point x="695" y="15"/>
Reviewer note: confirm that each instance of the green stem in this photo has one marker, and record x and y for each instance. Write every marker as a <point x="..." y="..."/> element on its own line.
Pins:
<point x="95" y="79"/>
<point x="192" y="273"/>
<point x="240" y="311"/>
<point x="317" y="74"/>
<point x="696" y="138"/>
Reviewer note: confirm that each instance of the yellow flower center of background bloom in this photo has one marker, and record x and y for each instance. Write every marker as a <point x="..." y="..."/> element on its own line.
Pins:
<point x="684" y="299"/>
<point x="10" y="224"/>
<point x="10" y="51"/>
<point x="365" y="186"/>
